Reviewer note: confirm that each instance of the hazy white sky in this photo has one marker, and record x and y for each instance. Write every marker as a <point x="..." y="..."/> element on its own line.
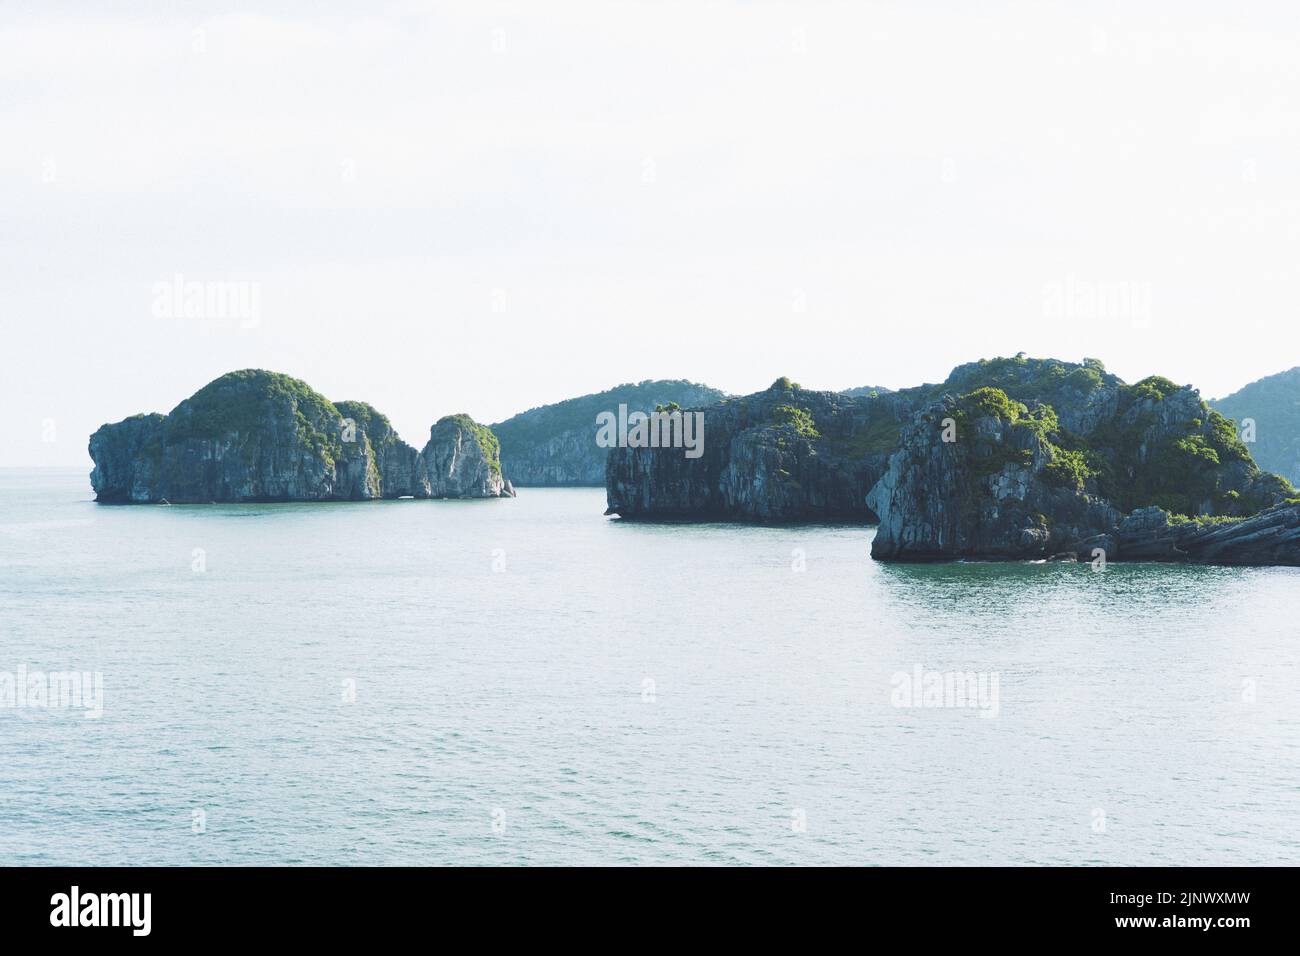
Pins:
<point x="484" y="207"/>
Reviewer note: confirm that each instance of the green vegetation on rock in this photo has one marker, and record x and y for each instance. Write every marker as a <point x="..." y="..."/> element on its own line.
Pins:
<point x="989" y="457"/>
<point x="367" y="418"/>
<point x="1154" y="386"/>
<point x="239" y="405"/>
<point x="240" y="402"/>
<point x="1024" y="379"/>
<point x="797" y="418"/>
<point x="1068" y="469"/>
<point x="487" y="441"/>
<point x="878" y="437"/>
<point x="1187" y="459"/>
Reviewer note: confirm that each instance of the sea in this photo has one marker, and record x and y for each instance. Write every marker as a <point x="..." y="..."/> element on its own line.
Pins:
<point x="527" y="681"/>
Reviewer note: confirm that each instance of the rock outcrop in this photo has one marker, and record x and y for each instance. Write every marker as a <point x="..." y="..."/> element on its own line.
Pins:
<point x="555" y="445"/>
<point x="254" y="436"/>
<point x="988" y="474"/>
<point x="1268" y="538"/>
<point x="123" y="471"/>
<point x="757" y="468"/>
<point x="784" y="454"/>
<point x="985" y="493"/>
<point x="398" y="464"/>
<point x="462" y="460"/>
<point x="1008" y="458"/>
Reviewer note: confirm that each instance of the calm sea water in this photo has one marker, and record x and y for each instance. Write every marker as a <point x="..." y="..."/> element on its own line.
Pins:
<point x="505" y="682"/>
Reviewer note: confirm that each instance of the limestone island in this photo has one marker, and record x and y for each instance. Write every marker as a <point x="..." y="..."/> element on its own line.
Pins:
<point x="258" y="436"/>
<point x="1009" y="458"/>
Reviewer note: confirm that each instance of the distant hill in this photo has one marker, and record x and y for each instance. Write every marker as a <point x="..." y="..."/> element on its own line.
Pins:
<point x="555" y="445"/>
<point x="869" y="391"/>
<point x="1274" y="405"/>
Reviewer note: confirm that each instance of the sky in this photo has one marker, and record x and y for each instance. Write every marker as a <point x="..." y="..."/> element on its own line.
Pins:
<point x="487" y="207"/>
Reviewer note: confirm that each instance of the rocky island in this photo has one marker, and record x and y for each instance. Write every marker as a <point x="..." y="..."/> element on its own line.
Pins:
<point x="783" y="454"/>
<point x="254" y="435"/>
<point x="1010" y="458"/>
<point x="1052" y="462"/>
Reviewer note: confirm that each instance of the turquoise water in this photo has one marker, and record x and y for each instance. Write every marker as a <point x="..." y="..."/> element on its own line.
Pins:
<point x="501" y="654"/>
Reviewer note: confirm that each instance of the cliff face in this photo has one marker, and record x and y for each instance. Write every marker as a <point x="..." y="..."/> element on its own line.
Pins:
<point x="555" y="445"/>
<point x="122" y="472"/>
<point x="785" y="454"/>
<point x="985" y="475"/>
<point x="462" y="460"/>
<point x="1008" y="458"/>
<point x="756" y="467"/>
<point x="569" y="458"/>
<point x="261" y="436"/>
<point x="1273" y="404"/>
<point x="397" y="463"/>
<point x="248" y="436"/>
<point x="986" y="493"/>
